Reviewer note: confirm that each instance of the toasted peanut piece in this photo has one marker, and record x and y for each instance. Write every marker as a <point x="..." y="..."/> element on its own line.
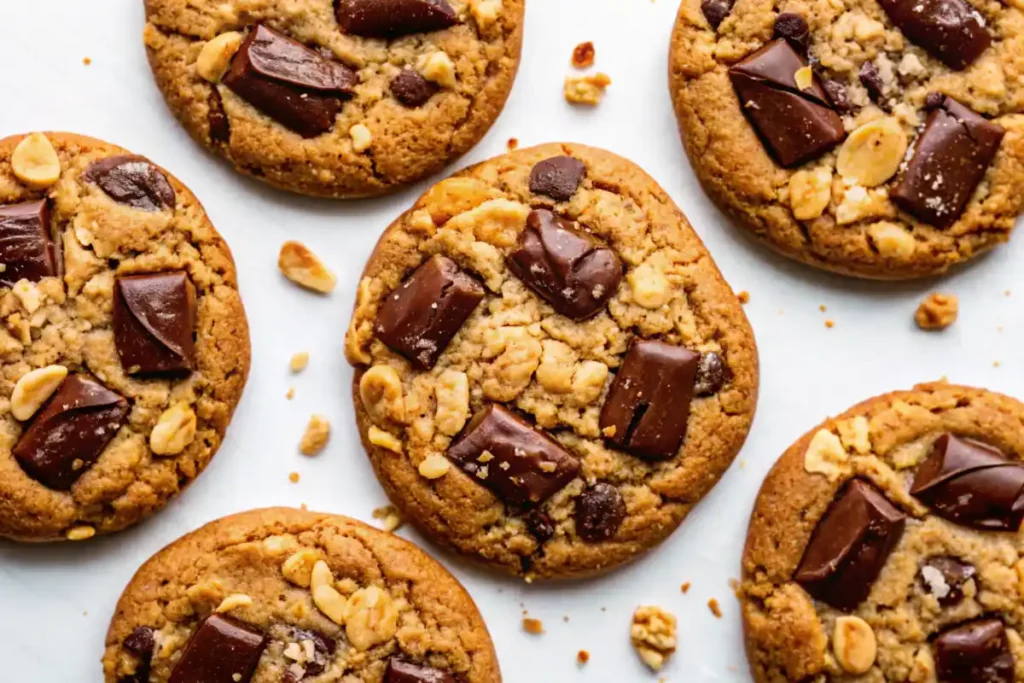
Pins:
<point x="302" y="267"/>
<point x="439" y="68"/>
<point x="872" y="154"/>
<point x="452" y="393"/>
<point x="321" y="575"/>
<point x="80" y="533"/>
<point x="378" y="437"/>
<point x="826" y="455"/>
<point x="804" y="77"/>
<point x="174" y="431"/>
<point x="28" y="294"/>
<point x="649" y="285"/>
<point x="35" y="162"/>
<point x="810" y="192"/>
<point x="434" y="466"/>
<point x="216" y="55"/>
<point x="34" y="388"/>
<point x="855" y="434"/>
<point x="233" y="602"/>
<point x="588" y="90"/>
<point x="854" y="645"/>
<point x="361" y="136"/>
<point x="937" y="311"/>
<point x="298" y="568"/>
<point x="860" y="204"/>
<point x="329" y="601"/>
<point x="892" y="240"/>
<point x="370" y="618"/>
<point x="299" y="361"/>
<point x="380" y="390"/>
<point x="318" y="431"/>
<point x="485" y="12"/>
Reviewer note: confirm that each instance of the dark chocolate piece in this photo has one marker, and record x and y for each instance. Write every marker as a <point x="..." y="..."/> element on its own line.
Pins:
<point x="222" y="650"/>
<point x="217" y="118"/>
<point x="933" y="100"/>
<point x="412" y="89"/>
<point x="570" y="269"/>
<point x="975" y="652"/>
<point x="133" y="181"/>
<point x="298" y="87"/>
<point x="950" y="158"/>
<point x="140" y="643"/>
<point x="69" y="433"/>
<point x="793" y="28"/>
<point x="838" y="96"/>
<point x="393" y="18"/>
<point x="599" y="512"/>
<point x="850" y="546"/>
<point x="648" y="406"/>
<point x="26" y="244"/>
<point x="871" y="79"/>
<point x="154" y="321"/>
<point x="557" y="177"/>
<point x="971" y="484"/>
<point x="520" y="464"/>
<point x="420" y="317"/>
<point x="711" y="374"/>
<point x="950" y="30"/>
<point x="715" y="11"/>
<point x="540" y="525"/>
<point x="796" y="125"/>
<point x="323" y="651"/>
<point x="401" y="671"/>
<point x="954" y="575"/>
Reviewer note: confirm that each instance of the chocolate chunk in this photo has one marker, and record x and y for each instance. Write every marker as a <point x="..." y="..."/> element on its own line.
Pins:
<point x="948" y="583"/>
<point x="933" y="100"/>
<point x="793" y="28"/>
<point x="950" y="30"/>
<point x="323" y="650"/>
<point x="715" y="11"/>
<point x="506" y="454"/>
<point x="557" y="177"/>
<point x="599" y="512"/>
<point x="69" y="433"/>
<point x="401" y="671"/>
<point x="140" y="643"/>
<point x="133" y="181"/>
<point x="393" y="18"/>
<point x="871" y="79"/>
<point x="838" y="96"/>
<point x="412" y="89"/>
<point x="26" y="244"/>
<point x="648" y="406"/>
<point x="971" y="484"/>
<point x="796" y="125"/>
<point x="711" y="374"/>
<point x="298" y="87"/>
<point x="975" y="652"/>
<point x="570" y="269"/>
<point x="217" y="118"/>
<point x="950" y="158"/>
<point x="420" y="317"/>
<point x="540" y="525"/>
<point x="154" y="320"/>
<point x="850" y="546"/>
<point x="222" y="650"/>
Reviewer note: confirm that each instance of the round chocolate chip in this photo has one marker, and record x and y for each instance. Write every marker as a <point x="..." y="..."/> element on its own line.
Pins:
<point x="140" y="641"/>
<point x="793" y="27"/>
<point x="599" y="512"/>
<point x="711" y="373"/>
<point x="715" y="11"/>
<point x="412" y="89"/>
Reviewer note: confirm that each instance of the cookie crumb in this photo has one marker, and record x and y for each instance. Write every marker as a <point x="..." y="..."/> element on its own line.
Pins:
<point x="822" y="308"/>
<point x="996" y="364"/>
<point x="565" y="618"/>
<point x="653" y="634"/>
<point x="300" y="265"/>
<point x="389" y="517"/>
<point x="294" y="477"/>
<point x="533" y="626"/>
<point x="685" y="588"/>
<point x="303" y="506"/>
<point x="1007" y="292"/>
<point x="512" y="144"/>
<point x="830" y="324"/>
<point x="299" y="361"/>
<point x="87" y="60"/>
<point x="588" y="90"/>
<point x="317" y="432"/>
<point x="937" y="311"/>
<point x="291" y="393"/>
<point x="715" y="609"/>
<point x="583" y="55"/>
<point x="744" y="297"/>
<point x="582" y="657"/>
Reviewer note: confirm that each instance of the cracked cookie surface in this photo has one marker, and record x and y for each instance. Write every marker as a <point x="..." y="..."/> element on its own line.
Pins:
<point x="106" y="410"/>
<point x="378" y="107"/>
<point x="884" y="545"/>
<point x="489" y="336"/>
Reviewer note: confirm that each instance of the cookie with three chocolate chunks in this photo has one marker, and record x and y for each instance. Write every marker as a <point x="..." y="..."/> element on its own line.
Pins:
<point x="222" y="650"/>
<point x="393" y="18"/>
<point x="401" y="671"/>
<point x="975" y="652"/>
<point x="558" y="177"/>
<point x="27" y="249"/>
<point x="950" y="30"/>
<point x="154" y="318"/>
<point x="133" y="181"/>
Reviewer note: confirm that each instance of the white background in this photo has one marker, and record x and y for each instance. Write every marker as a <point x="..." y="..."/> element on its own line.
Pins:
<point x="55" y="601"/>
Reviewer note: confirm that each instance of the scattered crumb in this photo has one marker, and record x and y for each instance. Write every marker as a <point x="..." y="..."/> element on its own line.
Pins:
<point x="291" y="393"/>
<point x="743" y="463"/>
<point x="294" y="477"/>
<point x="390" y="519"/>
<point x="821" y="308"/>
<point x="715" y="609"/>
<point x="743" y="296"/>
<point x="303" y="506"/>
<point x="653" y="634"/>
<point x="583" y="55"/>
<point x="299" y="361"/>
<point x="533" y="626"/>
<point x="937" y="311"/>
<point x="512" y="144"/>
<point x="565" y="618"/>
<point x="588" y="90"/>
<point x="582" y="657"/>
<point x="996" y="364"/>
<point x="87" y="60"/>
<point x="304" y="268"/>
<point x="734" y="584"/>
<point x="1007" y="292"/>
<point x="830" y="324"/>
<point x="85" y="613"/>
<point x="999" y="328"/>
<point x="685" y="587"/>
<point x="780" y="311"/>
<point x="604" y="609"/>
<point x="317" y="432"/>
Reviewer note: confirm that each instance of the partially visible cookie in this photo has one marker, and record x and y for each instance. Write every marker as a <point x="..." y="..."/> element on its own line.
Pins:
<point x="884" y="545"/>
<point x="550" y="369"/>
<point x="124" y="346"/>
<point x="347" y="98"/>
<point x="282" y="595"/>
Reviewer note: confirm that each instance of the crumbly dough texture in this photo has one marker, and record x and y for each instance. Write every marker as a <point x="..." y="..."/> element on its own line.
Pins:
<point x="407" y="144"/>
<point x="872" y="240"/>
<point x="72" y="327"/>
<point x="243" y="554"/>
<point x="787" y="633"/>
<point x="514" y="349"/>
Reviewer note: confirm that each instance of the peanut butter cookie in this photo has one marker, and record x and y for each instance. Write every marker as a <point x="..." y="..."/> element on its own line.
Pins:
<point x="884" y="545"/>
<point x="347" y="98"/>
<point x="123" y="345"/>
<point x="550" y="370"/>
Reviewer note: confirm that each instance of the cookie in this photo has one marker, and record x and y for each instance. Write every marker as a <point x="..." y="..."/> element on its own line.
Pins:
<point x="876" y="138"/>
<point x="123" y="345"/>
<point x="345" y="99"/>
<point x="550" y="370"/>
<point x="884" y="545"/>
<point x="286" y="595"/>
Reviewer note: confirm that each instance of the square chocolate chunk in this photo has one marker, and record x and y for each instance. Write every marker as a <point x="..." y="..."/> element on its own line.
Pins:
<point x="975" y="652"/>
<point x="154" y="322"/>
<point x="950" y="30"/>
<point x="27" y="250"/>
<point x="222" y="650"/>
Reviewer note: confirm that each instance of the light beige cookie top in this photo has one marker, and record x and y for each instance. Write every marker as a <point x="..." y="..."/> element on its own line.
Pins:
<point x="550" y="370"/>
<point x="885" y="545"/>
<point x="875" y="138"/>
<point x="282" y="595"/>
<point x="335" y="99"/>
<point x="124" y="346"/>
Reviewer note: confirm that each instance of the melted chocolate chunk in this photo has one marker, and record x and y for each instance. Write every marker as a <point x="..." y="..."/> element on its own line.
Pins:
<point x="540" y="526"/>
<point x="599" y="512"/>
<point x="298" y="87"/>
<point x="570" y="269"/>
<point x="950" y="158"/>
<point x="26" y="245"/>
<point x="69" y="433"/>
<point x="154" y="320"/>
<point x="796" y="125"/>
<point x="140" y="643"/>
<point x="648" y="406"/>
<point x="323" y="651"/>
<point x="950" y="30"/>
<point x="954" y="574"/>
<point x="850" y="546"/>
<point x="838" y="96"/>
<point x="933" y="100"/>
<point x="401" y="671"/>
<point x="557" y="177"/>
<point x="975" y="652"/>
<point x="217" y="119"/>
<point x="971" y="484"/>
<point x="711" y="374"/>
<point x="393" y="18"/>
<point x="133" y="181"/>
<point x="412" y="89"/>
<point x="420" y="317"/>
<point x="793" y="28"/>
<point x="715" y="11"/>
<point x="222" y="650"/>
<point x="519" y="464"/>
<point x="871" y="79"/>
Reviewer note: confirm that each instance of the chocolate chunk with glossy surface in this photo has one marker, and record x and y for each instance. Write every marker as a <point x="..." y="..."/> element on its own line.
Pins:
<point x="69" y="433"/>
<point x="26" y="244"/>
<point x="412" y="89"/>
<point x="599" y="512"/>
<point x="950" y="30"/>
<point x="298" y="87"/>
<point x="793" y="28"/>
<point x="711" y="374"/>
<point x="133" y="181"/>
<point x="715" y="11"/>
<point x="401" y="671"/>
<point x="648" y="406"/>
<point x="950" y="159"/>
<point x="154" y="321"/>
<point x="557" y="177"/>
<point x="393" y="18"/>
<point x="420" y="317"/>
<point x="944" y="577"/>
<point x="972" y="484"/>
<point x="520" y="464"/>
<point x="850" y="545"/>
<point x="797" y="125"/>
<point x="570" y="269"/>
<point x="222" y="650"/>
<point x="976" y="652"/>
